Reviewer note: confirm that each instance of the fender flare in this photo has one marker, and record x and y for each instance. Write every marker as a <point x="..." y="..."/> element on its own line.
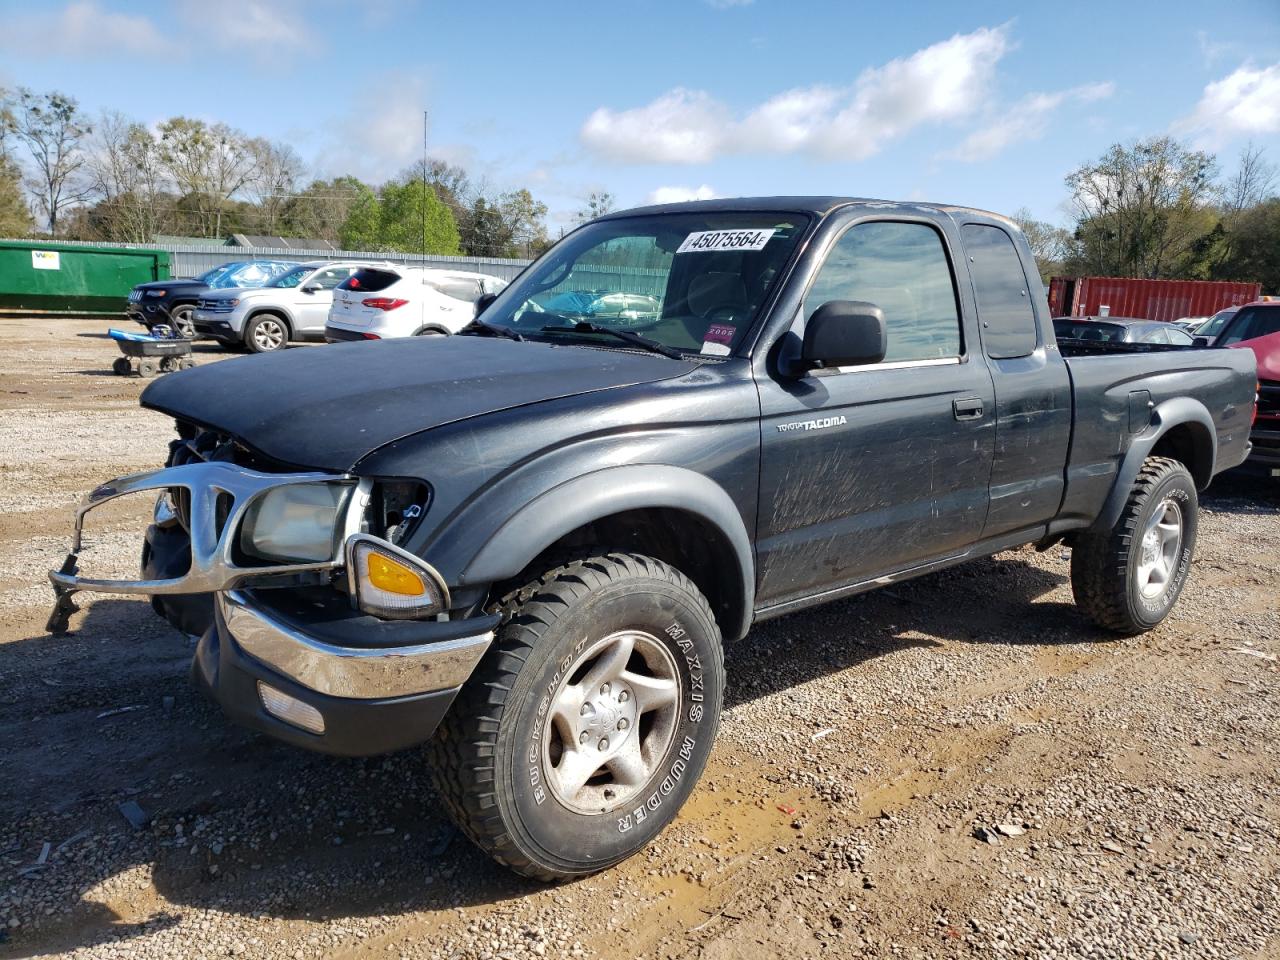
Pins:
<point x="1169" y="414"/>
<point x="602" y="493"/>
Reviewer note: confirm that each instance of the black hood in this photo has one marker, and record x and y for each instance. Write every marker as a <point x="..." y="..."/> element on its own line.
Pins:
<point x="325" y="408"/>
<point x="171" y="285"/>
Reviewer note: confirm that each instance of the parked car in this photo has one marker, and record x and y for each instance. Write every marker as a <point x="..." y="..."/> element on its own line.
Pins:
<point x="1256" y="327"/>
<point x="1120" y="330"/>
<point x="294" y="306"/>
<point x="625" y="309"/>
<point x="1190" y="324"/>
<point x="528" y="544"/>
<point x="1210" y="329"/>
<point x="174" y="301"/>
<point x="384" y="302"/>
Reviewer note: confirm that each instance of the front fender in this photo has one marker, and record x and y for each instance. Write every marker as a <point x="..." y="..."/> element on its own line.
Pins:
<point x="602" y="493"/>
<point x="1176" y="412"/>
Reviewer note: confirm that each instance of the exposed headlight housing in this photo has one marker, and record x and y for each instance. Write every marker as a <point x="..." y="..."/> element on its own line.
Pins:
<point x="391" y="583"/>
<point x="298" y="523"/>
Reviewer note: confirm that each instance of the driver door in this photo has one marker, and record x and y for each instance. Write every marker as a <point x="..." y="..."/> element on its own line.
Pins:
<point x="873" y="469"/>
<point x="312" y="309"/>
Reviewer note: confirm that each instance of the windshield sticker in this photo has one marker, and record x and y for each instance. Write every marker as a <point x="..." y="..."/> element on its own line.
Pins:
<point x="718" y="340"/>
<point x="705" y="241"/>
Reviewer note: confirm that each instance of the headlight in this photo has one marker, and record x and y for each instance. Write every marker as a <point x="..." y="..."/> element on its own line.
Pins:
<point x="295" y="524"/>
<point x="390" y="583"/>
<point x="235" y="301"/>
<point x="156" y="293"/>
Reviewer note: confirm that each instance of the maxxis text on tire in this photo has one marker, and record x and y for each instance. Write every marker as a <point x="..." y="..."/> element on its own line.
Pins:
<point x="491" y="757"/>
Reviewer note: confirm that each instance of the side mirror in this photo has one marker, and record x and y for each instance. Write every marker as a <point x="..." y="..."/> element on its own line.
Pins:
<point x="1200" y="341"/>
<point x="844" y="333"/>
<point x="312" y="288"/>
<point x="483" y="302"/>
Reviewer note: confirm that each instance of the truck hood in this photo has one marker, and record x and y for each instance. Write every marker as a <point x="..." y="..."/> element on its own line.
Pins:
<point x="1267" y="351"/>
<point x="324" y="408"/>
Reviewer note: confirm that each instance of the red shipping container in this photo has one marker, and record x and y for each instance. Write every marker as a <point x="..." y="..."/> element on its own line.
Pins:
<point x="1145" y="299"/>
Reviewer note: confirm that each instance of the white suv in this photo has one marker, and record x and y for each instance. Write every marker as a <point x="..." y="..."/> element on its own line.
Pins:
<point x="378" y="303"/>
<point x="294" y="306"/>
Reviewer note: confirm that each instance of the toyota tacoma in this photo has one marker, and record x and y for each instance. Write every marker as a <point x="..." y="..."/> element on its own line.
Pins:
<point x="527" y="547"/>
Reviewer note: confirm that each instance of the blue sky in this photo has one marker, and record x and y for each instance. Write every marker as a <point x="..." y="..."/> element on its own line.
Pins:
<point x="986" y="104"/>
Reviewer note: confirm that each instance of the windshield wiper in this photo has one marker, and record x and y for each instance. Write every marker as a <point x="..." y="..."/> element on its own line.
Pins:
<point x="478" y="326"/>
<point x="584" y="326"/>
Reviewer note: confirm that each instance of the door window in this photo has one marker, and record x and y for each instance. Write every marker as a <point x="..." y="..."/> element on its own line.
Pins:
<point x="330" y="277"/>
<point x="902" y="268"/>
<point x="1000" y="285"/>
<point x="1252" y="322"/>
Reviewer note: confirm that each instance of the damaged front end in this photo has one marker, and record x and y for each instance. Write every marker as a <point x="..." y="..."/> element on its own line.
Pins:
<point x="314" y="625"/>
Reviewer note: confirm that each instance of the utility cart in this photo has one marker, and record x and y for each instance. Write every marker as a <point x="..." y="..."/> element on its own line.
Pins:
<point x="149" y="355"/>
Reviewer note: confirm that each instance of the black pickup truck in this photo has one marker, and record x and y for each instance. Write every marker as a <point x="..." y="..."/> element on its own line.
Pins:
<point x="526" y="546"/>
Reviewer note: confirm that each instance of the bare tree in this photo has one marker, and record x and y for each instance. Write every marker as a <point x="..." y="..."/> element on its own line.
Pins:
<point x="599" y="202"/>
<point x="277" y="171"/>
<point x="1143" y="206"/>
<point x="1253" y="182"/>
<point x="124" y="163"/>
<point x="208" y="164"/>
<point x="1050" y="245"/>
<point x="49" y="125"/>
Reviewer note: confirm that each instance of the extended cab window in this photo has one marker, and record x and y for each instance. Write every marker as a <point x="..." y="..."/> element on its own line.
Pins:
<point x="902" y="268"/>
<point x="1000" y="285"/>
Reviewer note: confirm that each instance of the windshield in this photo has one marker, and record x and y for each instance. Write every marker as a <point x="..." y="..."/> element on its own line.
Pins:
<point x="689" y="281"/>
<point x="1216" y="324"/>
<point x="292" y="278"/>
<point x="209" y="277"/>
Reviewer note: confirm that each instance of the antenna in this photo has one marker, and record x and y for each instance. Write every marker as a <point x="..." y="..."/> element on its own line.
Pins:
<point x="424" y="187"/>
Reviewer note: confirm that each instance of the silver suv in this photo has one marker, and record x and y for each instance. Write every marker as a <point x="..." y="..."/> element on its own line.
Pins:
<point x="294" y="306"/>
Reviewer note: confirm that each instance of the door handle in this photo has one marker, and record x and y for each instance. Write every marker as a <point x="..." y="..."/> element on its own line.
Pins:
<point x="970" y="408"/>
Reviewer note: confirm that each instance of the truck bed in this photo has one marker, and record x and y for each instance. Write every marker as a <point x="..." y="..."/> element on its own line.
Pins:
<point x="1118" y="399"/>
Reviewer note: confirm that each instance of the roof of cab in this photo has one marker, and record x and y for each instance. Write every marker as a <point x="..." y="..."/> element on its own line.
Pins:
<point x="820" y="206"/>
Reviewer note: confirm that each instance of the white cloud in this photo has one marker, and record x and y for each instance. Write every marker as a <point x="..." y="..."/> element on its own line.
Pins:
<point x="375" y="145"/>
<point x="260" y="27"/>
<point x="678" y="194"/>
<point x="81" y="29"/>
<point x="943" y="82"/>
<point x="1243" y="103"/>
<point x="1025" y="120"/>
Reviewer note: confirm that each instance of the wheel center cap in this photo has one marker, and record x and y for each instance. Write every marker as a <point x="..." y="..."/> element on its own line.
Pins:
<point x="1149" y="548"/>
<point x="610" y="714"/>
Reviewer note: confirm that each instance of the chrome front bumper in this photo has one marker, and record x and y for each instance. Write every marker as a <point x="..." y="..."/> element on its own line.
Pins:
<point x="360" y="673"/>
<point x="213" y="567"/>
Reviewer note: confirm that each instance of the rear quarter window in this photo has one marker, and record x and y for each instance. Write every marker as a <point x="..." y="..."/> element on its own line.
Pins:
<point x="369" y="280"/>
<point x="1000" y="285"/>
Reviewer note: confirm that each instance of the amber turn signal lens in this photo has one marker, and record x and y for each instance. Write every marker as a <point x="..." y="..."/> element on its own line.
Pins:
<point x="386" y="574"/>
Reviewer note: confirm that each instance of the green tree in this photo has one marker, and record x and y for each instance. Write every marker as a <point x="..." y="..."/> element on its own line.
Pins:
<point x="1140" y="209"/>
<point x="359" y="230"/>
<point x="413" y="220"/>
<point x="1254" y="254"/>
<point x="15" y="216"/>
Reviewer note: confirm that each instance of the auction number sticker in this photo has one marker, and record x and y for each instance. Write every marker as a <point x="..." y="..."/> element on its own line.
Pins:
<point x="706" y="241"/>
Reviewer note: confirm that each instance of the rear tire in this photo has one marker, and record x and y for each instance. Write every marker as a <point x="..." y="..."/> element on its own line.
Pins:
<point x="1127" y="579"/>
<point x="266" y="333"/>
<point x="588" y="722"/>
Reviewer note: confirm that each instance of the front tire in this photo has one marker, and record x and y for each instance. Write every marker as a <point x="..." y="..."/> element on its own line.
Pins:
<point x="266" y="333"/>
<point x="181" y="320"/>
<point x="1127" y="579"/>
<point x="588" y="722"/>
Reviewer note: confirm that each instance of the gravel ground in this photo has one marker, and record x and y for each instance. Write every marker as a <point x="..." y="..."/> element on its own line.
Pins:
<point x="958" y="766"/>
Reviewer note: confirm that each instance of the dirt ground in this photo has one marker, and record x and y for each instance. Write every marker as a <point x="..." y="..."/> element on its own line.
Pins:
<point x="1128" y="789"/>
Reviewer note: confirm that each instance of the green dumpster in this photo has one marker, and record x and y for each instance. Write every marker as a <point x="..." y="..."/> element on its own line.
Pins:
<point x="73" y="280"/>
